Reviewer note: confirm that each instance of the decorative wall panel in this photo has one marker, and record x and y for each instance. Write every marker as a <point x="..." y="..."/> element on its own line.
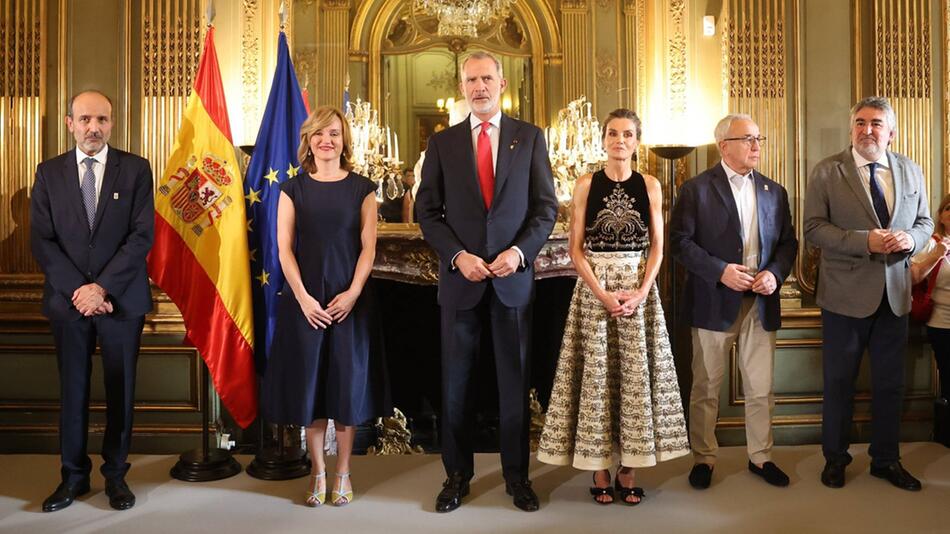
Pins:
<point x="901" y="65"/>
<point x="22" y="102"/>
<point x="171" y="47"/>
<point x="754" y="41"/>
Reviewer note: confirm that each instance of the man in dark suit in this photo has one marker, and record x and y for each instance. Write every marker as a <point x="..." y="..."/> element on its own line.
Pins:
<point x="486" y="205"/>
<point x="732" y="230"/>
<point x="92" y="218"/>
<point x="866" y="209"/>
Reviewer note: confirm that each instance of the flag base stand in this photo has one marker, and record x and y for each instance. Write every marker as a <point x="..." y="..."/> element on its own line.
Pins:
<point x="279" y="463"/>
<point x="205" y="464"/>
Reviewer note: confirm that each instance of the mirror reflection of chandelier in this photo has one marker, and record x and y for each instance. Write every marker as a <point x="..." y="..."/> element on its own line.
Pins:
<point x="463" y="17"/>
<point x="375" y="150"/>
<point x="575" y="146"/>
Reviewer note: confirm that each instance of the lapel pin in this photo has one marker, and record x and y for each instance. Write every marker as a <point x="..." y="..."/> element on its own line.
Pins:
<point x="512" y="145"/>
<point x="115" y="196"/>
<point x="766" y="186"/>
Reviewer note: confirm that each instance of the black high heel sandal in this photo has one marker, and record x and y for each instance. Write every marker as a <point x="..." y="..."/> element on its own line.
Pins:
<point x="626" y="493"/>
<point x="598" y="492"/>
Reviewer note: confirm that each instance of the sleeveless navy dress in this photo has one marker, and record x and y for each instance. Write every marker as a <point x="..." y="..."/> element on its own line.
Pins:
<point x="338" y="372"/>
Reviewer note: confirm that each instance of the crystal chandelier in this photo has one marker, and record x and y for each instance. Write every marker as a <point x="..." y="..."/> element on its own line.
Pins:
<point x="375" y="150"/>
<point x="575" y="146"/>
<point x="463" y="17"/>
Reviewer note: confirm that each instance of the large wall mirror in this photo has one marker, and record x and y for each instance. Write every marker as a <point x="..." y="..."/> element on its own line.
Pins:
<point x="414" y="75"/>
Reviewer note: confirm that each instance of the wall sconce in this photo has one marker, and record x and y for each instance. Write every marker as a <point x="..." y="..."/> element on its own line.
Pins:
<point x="506" y="104"/>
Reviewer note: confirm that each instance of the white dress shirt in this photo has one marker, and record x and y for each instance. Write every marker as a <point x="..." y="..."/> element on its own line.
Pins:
<point x="885" y="178"/>
<point x="743" y="191"/>
<point x="98" y="167"/>
<point x="493" y="134"/>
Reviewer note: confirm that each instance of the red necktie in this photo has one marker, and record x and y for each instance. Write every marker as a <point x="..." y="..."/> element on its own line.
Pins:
<point x="486" y="171"/>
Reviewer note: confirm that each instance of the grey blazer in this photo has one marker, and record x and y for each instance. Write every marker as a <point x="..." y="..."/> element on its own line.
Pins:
<point x="838" y="218"/>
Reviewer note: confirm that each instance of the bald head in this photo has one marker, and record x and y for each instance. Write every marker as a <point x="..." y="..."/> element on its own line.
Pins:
<point x="90" y="121"/>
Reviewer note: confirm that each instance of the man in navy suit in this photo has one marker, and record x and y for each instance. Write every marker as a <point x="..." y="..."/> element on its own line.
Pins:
<point x="92" y="219"/>
<point x="732" y="230"/>
<point x="486" y="205"/>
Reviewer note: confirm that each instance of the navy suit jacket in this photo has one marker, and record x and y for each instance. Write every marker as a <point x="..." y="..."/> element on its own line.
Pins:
<point x="453" y="217"/>
<point x="113" y="253"/>
<point x="705" y="235"/>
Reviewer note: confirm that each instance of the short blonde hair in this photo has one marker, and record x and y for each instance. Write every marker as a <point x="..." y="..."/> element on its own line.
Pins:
<point x="321" y="118"/>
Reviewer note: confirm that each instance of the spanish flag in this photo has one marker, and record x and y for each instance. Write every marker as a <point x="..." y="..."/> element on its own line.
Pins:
<point x="200" y="257"/>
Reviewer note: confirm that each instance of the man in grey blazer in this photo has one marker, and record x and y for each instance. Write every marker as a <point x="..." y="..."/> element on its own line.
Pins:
<point x="866" y="209"/>
<point x="731" y="229"/>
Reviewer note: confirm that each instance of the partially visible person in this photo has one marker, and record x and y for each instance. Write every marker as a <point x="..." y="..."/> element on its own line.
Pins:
<point x="615" y="386"/>
<point x="409" y="197"/>
<point x="934" y="257"/>
<point x="321" y="362"/>
<point x="731" y="229"/>
<point x="92" y="222"/>
<point x="866" y="210"/>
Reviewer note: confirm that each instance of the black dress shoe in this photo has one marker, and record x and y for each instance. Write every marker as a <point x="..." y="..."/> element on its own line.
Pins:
<point x="120" y="496"/>
<point x="833" y="474"/>
<point x="64" y="495"/>
<point x="771" y="473"/>
<point x="522" y="495"/>
<point x="897" y="475"/>
<point x="453" y="489"/>
<point x="701" y="476"/>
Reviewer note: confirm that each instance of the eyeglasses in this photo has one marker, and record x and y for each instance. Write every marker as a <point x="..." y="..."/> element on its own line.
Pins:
<point x="748" y="139"/>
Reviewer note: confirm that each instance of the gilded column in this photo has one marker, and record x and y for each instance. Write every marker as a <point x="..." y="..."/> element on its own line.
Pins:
<point x="333" y="55"/>
<point x="578" y="55"/>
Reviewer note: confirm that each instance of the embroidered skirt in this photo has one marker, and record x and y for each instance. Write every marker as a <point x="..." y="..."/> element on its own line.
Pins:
<point x="615" y="388"/>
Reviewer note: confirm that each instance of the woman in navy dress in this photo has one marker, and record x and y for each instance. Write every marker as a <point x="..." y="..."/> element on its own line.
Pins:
<point x="321" y="364"/>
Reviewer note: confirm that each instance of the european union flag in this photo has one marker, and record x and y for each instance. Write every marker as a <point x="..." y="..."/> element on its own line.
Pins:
<point x="274" y="162"/>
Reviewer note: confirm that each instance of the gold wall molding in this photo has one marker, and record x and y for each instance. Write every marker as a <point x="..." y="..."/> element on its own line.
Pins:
<point x="373" y="23"/>
<point x="250" y="63"/>
<point x="171" y="46"/>
<point x="22" y="109"/>
<point x="578" y="61"/>
<point x="900" y="56"/>
<point x="676" y="57"/>
<point x="754" y="38"/>
<point x="333" y="51"/>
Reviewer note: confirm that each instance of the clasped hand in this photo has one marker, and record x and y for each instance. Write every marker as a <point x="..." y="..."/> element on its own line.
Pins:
<point x="623" y="303"/>
<point x="90" y="299"/>
<point x="337" y="310"/>
<point x="737" y="278"/>
<point x="889" y="241"/>
<point x="475" y="269"/>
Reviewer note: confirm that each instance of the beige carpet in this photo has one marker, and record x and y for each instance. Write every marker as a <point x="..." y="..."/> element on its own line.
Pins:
<point x="396" y="494"/>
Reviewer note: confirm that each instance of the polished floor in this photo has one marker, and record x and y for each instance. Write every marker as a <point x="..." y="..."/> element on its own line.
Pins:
<point x="396" y="495"/>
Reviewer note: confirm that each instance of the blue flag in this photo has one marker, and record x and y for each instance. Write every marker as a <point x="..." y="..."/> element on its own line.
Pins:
<point x="274" y="161"/>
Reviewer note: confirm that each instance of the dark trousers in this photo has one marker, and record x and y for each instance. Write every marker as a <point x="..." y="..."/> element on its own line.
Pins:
<point x="510" y="335"/>
<point x="75" y="342"/>
<point x="940" y="341"/>
<point x="884" y="336"/>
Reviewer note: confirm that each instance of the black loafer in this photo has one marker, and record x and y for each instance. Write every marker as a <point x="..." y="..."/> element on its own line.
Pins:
<point x="898" y="476"/>
<point x="833" y="474"/>
<point x="64" y="495"/>
<point x="700" y="476"/>
<point x="771" y="473"/>
<point x="120" y="496"/>
<point x="453" y="489"/>
<point x="522" y="495"/>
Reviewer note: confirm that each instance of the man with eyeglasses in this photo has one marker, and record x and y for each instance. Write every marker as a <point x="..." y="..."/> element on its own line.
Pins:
<point x="866" y="209"/>
<point x="731" y="229"/>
